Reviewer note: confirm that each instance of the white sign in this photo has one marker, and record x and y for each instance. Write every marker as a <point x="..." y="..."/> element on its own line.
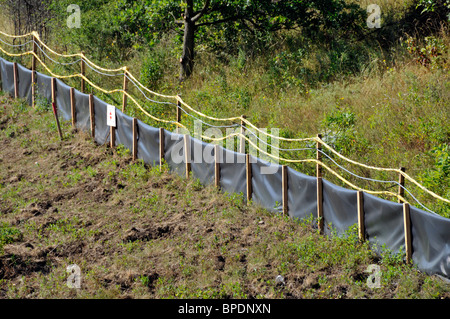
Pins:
<point x="111" y="115"/>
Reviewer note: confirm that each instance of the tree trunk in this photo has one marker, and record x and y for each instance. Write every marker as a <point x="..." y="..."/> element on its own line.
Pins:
<point x="187" y="59"/>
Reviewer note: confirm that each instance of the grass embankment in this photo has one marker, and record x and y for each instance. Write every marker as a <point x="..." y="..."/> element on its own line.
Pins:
<point x="137" y="232"/>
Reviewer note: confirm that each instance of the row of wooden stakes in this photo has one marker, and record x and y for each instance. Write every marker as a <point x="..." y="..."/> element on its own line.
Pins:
<point x="285" y="209"/>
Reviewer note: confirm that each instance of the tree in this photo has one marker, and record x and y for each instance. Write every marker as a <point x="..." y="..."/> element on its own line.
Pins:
<point x="28" y="15"/>
<point x="116" y="28"/>
<point x="267" y="15"/>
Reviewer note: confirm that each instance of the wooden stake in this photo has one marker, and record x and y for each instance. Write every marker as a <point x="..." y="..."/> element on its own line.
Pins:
<point x="53" y="88"/>
<point x="112" y="137"/>
<point x="72" y="107"/>
<point x="248" y="177"/>
<point x="319" y="186"/>
<point x="16" y="80"/>
<point x="135" y="133"/>
<point x="125" y="88"/>
<point x="92" y="114"/>
<point x="187" y="154"/>
<point x="178" y="115"/>
<point x="407" y="227"/>
<point x="401" y="181"/>
<point x="216" y="166"/>
<point x="53" y="85"/>
<point x="33" y="73"/>
<point x="242" y="139"/>
<point x="360" y="205"/>
<point x="284" y="190"/>
<point x="83" y="72"/>
<point x="161" y="147"/>
<point x="320" y="204"/>
<point x="319" y="156"/>
<point x="35" y="51"/>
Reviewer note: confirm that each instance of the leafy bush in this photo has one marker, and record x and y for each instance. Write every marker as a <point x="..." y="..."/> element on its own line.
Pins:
<point x="431" y="54"/>
<point x="437" y="179"/>
<point x="340" y="130"/>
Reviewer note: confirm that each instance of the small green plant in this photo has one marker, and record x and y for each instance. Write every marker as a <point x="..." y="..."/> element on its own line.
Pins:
<point x="197" y="185"/>
<point x="437" y="178"/>
<point x="122" y="151"/>
<point x="8" y="235"/>
<point x="42" y="104"/>
<point x="431" y="54"/>
<point x="152" y="69"/>
<point x="340" y="130"/>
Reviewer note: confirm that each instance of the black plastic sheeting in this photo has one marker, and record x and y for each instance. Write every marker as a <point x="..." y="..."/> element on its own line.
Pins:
<point x="82" y="115"/>
<point x="7" y="74"/>
<point x="431" y="242"/>
<point x="43" y="89"/>
<point x="63" y="100"/>
<point x="232" y="172"/>
<point x="24" y="79"/>
<point x="174" y="152"/>
<point x="124" y="130"/>
<point x="101" y="129"/>
<point x="383" y="220"/>
<point x="147" y="143"/>
<point x="267" y="185"/>
<point x="302" y="199"/>
<point x="339" y="207"/>
<point x="202" y="161"/>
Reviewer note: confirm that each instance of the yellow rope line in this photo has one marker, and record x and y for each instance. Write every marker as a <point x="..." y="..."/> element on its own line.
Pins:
<point x="81" y="55"/>
<point x="16" y="54"/>
<point x="17" y="36"/>
<point x="207" y="116"/>
<point x="148" y="90"/>
<point x="93" y="85"/>
<point x="178" y="98"/>
<point x="398" y="171"/>
<point x="310" y="161"/>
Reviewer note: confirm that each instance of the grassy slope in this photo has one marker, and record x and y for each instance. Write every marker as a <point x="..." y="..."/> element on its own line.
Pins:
<point x="137" y="232"/>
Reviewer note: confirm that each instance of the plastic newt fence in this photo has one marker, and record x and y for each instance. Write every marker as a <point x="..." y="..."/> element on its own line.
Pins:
<point x="422" y="234"/>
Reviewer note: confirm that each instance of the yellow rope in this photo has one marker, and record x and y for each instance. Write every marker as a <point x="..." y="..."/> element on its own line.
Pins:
<point x="207" y="116"/>
<point x="309" y="161"/>
<point x="92" y="84"/>
<point x="398" y="171"/>
<point x="17" y="36"/>
<point x="148" y="90"/>
<point x="81" y="55"/>
<point x="178" y="98"/>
